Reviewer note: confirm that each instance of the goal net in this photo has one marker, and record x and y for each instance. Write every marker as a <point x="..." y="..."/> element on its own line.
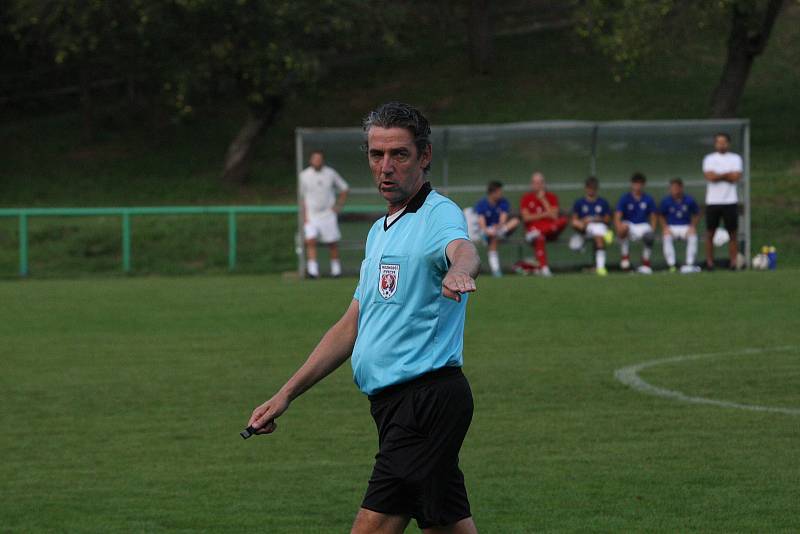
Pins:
<point x="467" y="157"/>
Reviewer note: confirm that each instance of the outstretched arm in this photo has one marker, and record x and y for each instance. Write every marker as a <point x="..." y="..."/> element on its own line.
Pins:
<point x="464" y="267"/>
<point x="332" y="351"/>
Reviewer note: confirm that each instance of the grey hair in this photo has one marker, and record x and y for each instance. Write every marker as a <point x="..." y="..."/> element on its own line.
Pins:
<point x="400" y="115"/>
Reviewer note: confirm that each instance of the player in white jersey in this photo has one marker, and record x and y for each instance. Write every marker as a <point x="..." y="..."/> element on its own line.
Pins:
<point x="319" y="187"/>
<point x="722" y="170"/>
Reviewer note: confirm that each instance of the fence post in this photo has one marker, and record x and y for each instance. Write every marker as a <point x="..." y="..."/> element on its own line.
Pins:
<point x="231" y="240"/>
<point x="126" y="241"/>
<point x="23" y="244"/>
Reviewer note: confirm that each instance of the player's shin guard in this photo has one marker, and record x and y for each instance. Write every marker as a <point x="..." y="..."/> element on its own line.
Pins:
<point x="691" y="249"/>
<point x="625" y="247"/>
<point x="646" y="251"/>
<point x="336" y="268"/>
<point x="600" y="258"/>
<point x="312" y="268"/>
<point x="494" y="261"/>
<point x="669" y="250"/>
<point x="541" y="253"/>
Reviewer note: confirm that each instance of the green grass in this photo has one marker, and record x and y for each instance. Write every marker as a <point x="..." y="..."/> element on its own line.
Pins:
<point x="122" y="400"/>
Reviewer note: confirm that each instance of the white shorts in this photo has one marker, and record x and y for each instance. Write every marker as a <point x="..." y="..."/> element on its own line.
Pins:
<point x="636" y="231"/>
<point x="679" y="231"/>
<point x="323" y="228"/>
<point x="596" y="229"/>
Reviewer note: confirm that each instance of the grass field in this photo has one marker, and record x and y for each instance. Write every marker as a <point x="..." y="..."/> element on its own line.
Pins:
<point x="122" y="400"/>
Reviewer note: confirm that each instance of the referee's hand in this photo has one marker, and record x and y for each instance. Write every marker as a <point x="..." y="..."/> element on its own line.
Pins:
<point x="263" y="417"/>
<point x="456" y="283"/>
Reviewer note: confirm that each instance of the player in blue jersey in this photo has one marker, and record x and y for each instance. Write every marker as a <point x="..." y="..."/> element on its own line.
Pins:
<point x="635" y="220"/>
<point x="679" y="213"/>
<point x="494" y="221"/>
<point x="404" y="329"/>
<point x="591" y="215"/>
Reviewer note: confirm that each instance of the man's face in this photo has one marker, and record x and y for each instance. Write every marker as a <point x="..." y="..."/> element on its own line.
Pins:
<point x="317" y="160"/>
<point x="637" y="188"/>
<point x="591" y="191"/>
<point x="396" y="166"/>
<point x="496" y="195"/>
<point x="676" y="190"/>
<point x="537" y="182"/>
<point x="721" y="144"/>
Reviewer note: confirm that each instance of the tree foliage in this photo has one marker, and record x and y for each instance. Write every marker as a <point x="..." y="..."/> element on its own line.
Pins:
<point x="632" y="31"/>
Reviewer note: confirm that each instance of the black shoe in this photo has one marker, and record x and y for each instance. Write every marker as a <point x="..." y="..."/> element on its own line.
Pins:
<point x="709" y="268"/>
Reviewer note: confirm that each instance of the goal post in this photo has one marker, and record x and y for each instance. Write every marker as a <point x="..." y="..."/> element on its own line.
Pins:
<point x="467" y="157"/>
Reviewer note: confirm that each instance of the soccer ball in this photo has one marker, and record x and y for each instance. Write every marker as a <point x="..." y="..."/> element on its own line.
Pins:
<point x="720" y="237"/>
<point x="576" y="242"/>
<point x="760" y="262"/>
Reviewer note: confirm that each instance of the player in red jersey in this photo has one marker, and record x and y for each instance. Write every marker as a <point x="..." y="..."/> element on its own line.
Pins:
<point x="543" y="222"/>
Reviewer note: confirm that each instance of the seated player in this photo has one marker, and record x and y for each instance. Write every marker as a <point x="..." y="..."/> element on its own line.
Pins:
<point x="590" y="218"/>
<point x="495" y="222"/>
<point x="635" y="220"/>
<point x="539" y="210"/>
<point x="679" y="214"/>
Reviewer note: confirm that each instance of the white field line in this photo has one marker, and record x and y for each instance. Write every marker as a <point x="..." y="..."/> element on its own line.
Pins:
<point x="630" y="377"/>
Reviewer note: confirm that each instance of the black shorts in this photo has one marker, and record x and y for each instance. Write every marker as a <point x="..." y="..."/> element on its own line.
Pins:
<point x="728" y="213"/>
<point x="421" y="425"/>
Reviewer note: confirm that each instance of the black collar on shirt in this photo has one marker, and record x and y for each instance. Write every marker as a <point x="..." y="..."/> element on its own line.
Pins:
<point x="413" y="205"/>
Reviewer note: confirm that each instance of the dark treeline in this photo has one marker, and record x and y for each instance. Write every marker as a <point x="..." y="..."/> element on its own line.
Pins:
<point x="156" y="60"/>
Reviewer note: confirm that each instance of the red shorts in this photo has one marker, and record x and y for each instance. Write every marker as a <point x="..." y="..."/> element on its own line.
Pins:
<point x="549" y="228"/>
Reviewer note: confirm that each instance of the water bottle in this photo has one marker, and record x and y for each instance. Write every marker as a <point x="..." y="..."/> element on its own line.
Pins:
<point x="772" y="258"/>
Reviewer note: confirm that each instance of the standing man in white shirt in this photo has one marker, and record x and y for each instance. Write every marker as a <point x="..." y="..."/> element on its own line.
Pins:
<point x="722" y="170"/>
<point x="319" y="187"/>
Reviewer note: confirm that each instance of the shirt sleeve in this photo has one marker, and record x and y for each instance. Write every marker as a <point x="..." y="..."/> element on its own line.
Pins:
<point x="576" y="207"/>
<point x="621" y="204"/>
<point x="339" y="182"/>
<point x="503" y="205"/>
<point x="708" y="166"/>
<point x="738" y="166"/>
<point x="651" y="206"/>
<point x="606" y="207"/>
<point x="553" y="200"/>
<point x="694" y="209"/>
<point x="445" y="225"/>
<point x="662" y="208"/>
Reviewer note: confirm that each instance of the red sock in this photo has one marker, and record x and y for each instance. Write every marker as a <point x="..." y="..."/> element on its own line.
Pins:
<point x="646" y="262"/>
<point x="541" y="255"/>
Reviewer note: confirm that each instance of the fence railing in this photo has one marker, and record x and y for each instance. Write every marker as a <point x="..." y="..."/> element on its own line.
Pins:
<point x="126" y="214"/>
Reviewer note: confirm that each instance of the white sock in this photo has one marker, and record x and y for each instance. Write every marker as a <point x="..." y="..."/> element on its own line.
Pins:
<point x="600" y="258"/>
<point x="691" y="249"/>
<point x="312" y="267"/>
<point x="336" y="267"/>
<point x="625" y="245"/>
<point x="494" y="261"/>
<point x="646" y="253"/>
<point x="669" y="250"/>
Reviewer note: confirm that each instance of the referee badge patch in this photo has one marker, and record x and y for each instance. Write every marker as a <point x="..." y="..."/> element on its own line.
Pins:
<point x="387" y="281"/>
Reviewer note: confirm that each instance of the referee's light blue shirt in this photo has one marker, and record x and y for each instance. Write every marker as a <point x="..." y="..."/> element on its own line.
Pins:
<point x="406" y="328"/>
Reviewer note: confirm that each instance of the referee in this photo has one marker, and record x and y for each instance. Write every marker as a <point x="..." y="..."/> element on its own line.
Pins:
<point x="404" y="329"/>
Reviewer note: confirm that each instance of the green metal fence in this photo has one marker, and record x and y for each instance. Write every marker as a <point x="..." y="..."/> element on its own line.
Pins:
<point x="126" y="215"/>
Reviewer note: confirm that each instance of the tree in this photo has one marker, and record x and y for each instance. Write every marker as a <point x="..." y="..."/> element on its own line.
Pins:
<point x="480" y="36"/>
<point x="751" y="26"/>
<point x="94" y="39"/>
<point x="629" y="31"/>
<point x="264" y="50"/>
<point x="189" y="52"/>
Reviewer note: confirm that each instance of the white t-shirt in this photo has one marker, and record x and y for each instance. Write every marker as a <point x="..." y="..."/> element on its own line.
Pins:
<point x="722" y="192"/>
<point x="319" y="190"/>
